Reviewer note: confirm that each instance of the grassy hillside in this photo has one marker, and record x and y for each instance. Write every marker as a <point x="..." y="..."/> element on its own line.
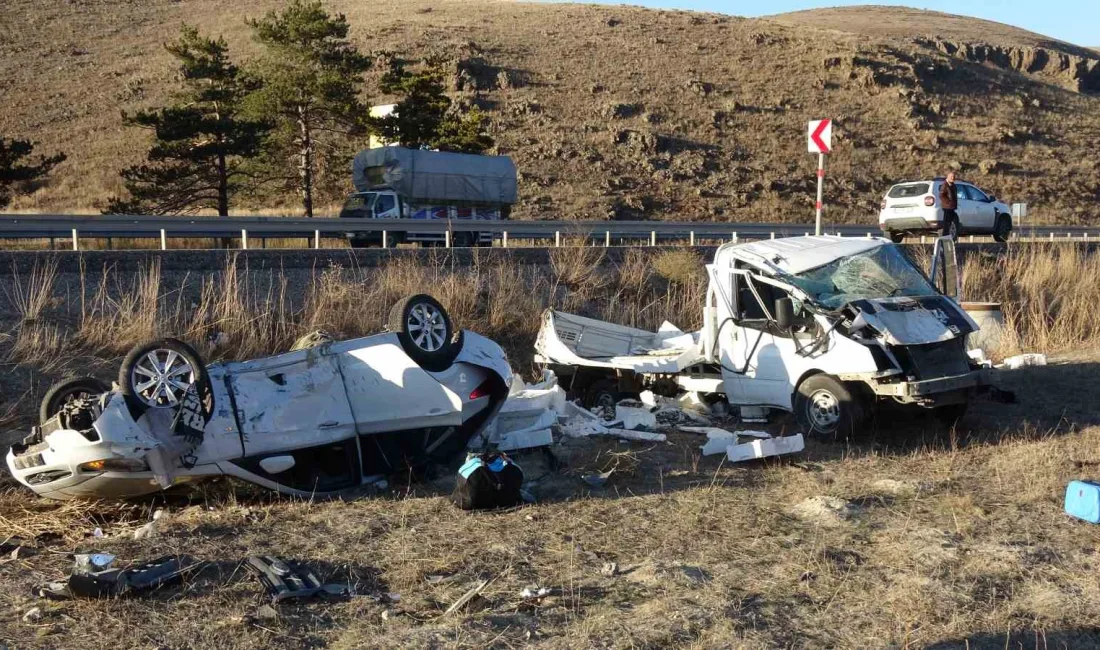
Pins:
<point x="619" y="112"/>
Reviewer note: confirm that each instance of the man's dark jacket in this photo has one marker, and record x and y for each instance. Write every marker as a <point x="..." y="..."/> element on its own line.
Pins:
<point x="949" y="196"/>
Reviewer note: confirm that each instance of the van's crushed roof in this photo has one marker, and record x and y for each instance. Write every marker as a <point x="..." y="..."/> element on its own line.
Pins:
<point x="798" y="254"/>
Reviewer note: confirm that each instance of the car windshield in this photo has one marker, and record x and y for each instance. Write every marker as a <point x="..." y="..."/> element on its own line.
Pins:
<point x="908" y="191"/>
<point x="882" y="272"/>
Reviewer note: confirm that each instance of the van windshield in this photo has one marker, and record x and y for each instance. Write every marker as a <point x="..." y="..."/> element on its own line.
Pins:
<point x="360" y="201"/>
<point x="883" y="272"/>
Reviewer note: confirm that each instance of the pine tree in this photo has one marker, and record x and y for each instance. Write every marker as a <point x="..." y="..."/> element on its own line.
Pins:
<point x="311" y="80"/>
<point x="14" y="169"/>
<point x="199" y="158"/>
<point x="425" y="117"/>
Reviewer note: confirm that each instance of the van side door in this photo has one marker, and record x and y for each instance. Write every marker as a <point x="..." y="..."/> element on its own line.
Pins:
<point x="755" y="355"/>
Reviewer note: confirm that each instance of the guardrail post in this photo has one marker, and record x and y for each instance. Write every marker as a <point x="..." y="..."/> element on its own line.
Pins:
<point x="692" y="237"/>
<point x="317" y="239"/>
<point x="447" y="238"/>
<point x="504" y="239"/>
<point x="735" y="236"/>
<point x="868" y="235"/>
<point x="163" y="240"/>
<point x="76" y="241"/>
<point x="971" y="239"/>
<point x="607" y="239"/>
<point x="244" y="239"/>
<point x="385" y="239"/>
<point x="652" y="237"/>
<point x="557" y="239"/>
<point x="771" y="235"/>
<point x="1051" y="235"/>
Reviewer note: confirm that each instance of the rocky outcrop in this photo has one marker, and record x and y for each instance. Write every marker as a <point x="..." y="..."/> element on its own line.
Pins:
<point x="1079" y="73"/>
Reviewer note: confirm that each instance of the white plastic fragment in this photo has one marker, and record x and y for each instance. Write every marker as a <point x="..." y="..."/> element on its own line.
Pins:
<point x="534" y="591"/>
<point x="1022" y="360"/>
<point x="635" y="418"/>
<point x="644" y="436"/>
<point x="89" y="562"/>
<point x="765" y="448"/>
<point x="525" y="439"/>
<point x="718" y="441"/>
<point x="33" y="615"/>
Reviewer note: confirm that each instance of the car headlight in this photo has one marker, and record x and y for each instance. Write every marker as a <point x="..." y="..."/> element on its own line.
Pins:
<point x="115" y="465"/>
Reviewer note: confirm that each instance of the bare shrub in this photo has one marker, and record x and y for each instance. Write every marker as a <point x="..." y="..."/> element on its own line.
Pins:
<point x="34" y="296"/>
<point x="683" y="266"/>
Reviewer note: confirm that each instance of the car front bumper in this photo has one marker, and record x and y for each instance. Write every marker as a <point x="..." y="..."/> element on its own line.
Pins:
<point x="927" y="391"/>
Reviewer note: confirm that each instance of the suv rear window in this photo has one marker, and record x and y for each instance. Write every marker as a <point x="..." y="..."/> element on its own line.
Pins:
<point x="908" y="191"/>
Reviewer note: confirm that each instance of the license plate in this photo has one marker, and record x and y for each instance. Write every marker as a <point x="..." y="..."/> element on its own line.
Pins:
<point x="903" y="209"/>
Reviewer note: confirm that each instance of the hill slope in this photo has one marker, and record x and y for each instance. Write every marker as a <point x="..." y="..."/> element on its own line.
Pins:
<point x="619" y="112"/>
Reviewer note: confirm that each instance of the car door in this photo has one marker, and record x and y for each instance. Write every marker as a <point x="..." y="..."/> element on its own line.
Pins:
<point x="984" y="210"/>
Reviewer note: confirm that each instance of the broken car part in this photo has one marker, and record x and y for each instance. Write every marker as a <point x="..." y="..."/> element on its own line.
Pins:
<point x="284" y="579"/>
<point x="91" y="579"/>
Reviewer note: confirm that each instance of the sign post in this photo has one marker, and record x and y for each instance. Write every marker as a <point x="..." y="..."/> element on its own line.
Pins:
<point x="819" y="140"/>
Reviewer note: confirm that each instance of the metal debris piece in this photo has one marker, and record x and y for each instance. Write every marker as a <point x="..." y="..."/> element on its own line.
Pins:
<point x="465" y="598"/>
<point x="284" y="579"/>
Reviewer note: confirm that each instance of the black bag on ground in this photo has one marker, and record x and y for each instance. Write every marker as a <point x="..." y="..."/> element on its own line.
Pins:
<point x="488" y="481"/>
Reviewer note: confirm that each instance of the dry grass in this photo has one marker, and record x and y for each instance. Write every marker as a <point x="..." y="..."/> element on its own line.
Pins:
<point x="957" y="539"/>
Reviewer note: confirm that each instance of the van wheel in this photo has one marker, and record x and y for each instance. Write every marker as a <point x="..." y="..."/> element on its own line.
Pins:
<point x="894" y="236"/>
<point x="951" y="228"/>
<point x="827" y="408"/>
<point x="66" y="391"/>
<point x="425" y="332"/>
<point x="1003" y="228"/>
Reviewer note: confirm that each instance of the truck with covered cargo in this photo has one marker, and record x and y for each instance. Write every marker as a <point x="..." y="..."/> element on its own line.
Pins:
<point x="825" y="327"/>
<point x="400" y="183"/>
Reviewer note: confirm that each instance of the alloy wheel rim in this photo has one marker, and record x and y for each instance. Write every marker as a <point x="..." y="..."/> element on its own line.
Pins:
<point x="427" y="327"/>
<point x="161" y="377"/>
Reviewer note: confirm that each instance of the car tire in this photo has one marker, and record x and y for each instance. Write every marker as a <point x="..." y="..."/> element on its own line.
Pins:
<point x="951" y="228"/>
<point x="67" y="390"/>
<point x="148" y="359"/>
<point x="827" y="408"/>
<point x="894" y="236"/>
<point x="1002" y="228"/>
<point x="426" y="332"/>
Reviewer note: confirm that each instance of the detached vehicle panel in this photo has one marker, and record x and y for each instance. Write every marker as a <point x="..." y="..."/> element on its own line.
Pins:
<point x="821" y="326"/>
<point x="310" y="421"/>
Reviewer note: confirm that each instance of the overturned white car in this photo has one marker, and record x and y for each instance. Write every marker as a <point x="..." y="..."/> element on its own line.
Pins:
<point x="311" y="421"/>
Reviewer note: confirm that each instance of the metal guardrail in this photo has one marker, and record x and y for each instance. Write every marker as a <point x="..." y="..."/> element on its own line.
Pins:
<point x="75" y="227"/>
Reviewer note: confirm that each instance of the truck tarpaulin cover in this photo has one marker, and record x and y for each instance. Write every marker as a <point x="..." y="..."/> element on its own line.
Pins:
<point x="420" y="175"/>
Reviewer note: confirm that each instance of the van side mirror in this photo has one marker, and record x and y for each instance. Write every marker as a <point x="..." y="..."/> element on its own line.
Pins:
<point x="784" y="313"/>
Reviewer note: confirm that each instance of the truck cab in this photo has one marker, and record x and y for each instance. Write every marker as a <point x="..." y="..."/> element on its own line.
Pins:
<point x="824" y="327"/>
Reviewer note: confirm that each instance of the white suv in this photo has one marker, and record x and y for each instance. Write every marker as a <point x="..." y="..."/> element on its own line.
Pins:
<point x="914" y="207"/>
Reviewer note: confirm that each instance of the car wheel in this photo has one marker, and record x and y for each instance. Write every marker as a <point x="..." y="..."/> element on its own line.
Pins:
<point x="158" y="374"/>
<point x="951" y="228"/>
<point x="66" y="391"/>
<point x="1003" y="228"/>
<point x="826" y="408"/>
<point x="425" y="332"/>
<point x="894" y="236"/>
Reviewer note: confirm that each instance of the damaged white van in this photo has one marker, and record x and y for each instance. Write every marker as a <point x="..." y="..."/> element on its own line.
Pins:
<point x="825" y="327"/>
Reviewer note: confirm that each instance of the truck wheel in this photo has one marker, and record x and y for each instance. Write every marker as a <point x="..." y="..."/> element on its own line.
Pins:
<point x="951" y="228"/>
<point x="604" y="395"/>
<point x="425" y="331"/>
<point x="357" y="242"/>
<point x="950" y="414"/>
<point x="158" y="374"/>
<point x="66" y="391"/>
<point x="894" y="236"/>
<point x="827" y="408"/>
<point x="1002" y="229"/>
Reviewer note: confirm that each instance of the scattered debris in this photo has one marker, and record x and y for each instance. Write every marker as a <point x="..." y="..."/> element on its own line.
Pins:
<point x="597" y="480"/>
<point x="641" y="436"/>
<point x="765" y="448"/>
<point x="488" y="481"/>
<point x="98" y="532"/>
<point x="534" y="591"/>
<point x="33" y="615"/>
<point x="284" y="579"/>
<point x="88" y="581"/>
<point x="634" y="417"/>
<point x="149" y="530"/>
<point x="465" y="599"/>
<point x="266" y="612"/>
<point x="1083" y="501"/>
<point x="825" y="511"/>
<point x="1023" y="360"/>
<point x="718" y="440"/>
<point x="610" y="569"/>
<point x="978" y="356"/>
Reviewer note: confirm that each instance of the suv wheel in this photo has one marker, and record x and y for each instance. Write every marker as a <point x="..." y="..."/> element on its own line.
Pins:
<point x="1003" y="228"/>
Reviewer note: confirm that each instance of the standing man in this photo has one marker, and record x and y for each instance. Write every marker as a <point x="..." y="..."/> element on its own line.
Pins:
<point x="949" y="201"/>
